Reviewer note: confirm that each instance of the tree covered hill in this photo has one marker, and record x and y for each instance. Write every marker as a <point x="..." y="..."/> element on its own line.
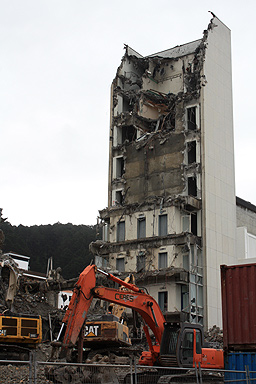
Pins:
<point x="67" y="244"/>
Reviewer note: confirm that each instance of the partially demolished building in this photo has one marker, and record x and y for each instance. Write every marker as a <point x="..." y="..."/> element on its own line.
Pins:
<point x="171" y="194"/>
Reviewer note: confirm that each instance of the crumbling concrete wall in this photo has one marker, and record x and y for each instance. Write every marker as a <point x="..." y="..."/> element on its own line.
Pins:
<point x="148" y="122"/>
<point x="157" y="167"/>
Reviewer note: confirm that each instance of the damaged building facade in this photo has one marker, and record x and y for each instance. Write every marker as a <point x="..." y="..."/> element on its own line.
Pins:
<point x="171" y="214"/>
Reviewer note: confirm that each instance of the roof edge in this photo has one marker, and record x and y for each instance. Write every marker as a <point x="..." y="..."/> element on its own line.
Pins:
<point x="245" y="204"/>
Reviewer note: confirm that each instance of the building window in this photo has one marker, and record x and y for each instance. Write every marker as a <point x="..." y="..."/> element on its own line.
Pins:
<point x="163" y="301"/>
<point x="185" y="298"/>
<point x="105" y="232"/>
<point x="117" y="197"/>
<point x="191" y="118"/>
<point x="129" y="133"/>
<point x="162" y="260"/>
<point x="120" y="264"/>
<point x="127" y="104"/>
<point x="141" y="261"/>
<point x="162" y="228"/>
<point x="194" y="223"/>
<point x="192" y="188"/>
<point x="124" y="134"/>
<point x="141" y="227"/>
<point x="189" y="223"/>
<point x="120" y="231"/>
<point x="185" y="223"/>
<point x="118" y="167"/>
<point x="191" y="149"/>
<point x="186" y="261"/>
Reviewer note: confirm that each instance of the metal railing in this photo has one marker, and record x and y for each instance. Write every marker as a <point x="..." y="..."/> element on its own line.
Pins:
<point x="39" y="372"/>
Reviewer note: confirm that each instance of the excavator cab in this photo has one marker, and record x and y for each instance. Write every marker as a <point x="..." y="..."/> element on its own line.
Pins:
<point x="183" y="345"/>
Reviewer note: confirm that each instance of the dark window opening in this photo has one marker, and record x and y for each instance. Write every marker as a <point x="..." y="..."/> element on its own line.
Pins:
<point x="129" y="133"/>
<point x="192" y="189"/>
<point x="191" y="118"/>
<point x="162" y="260"/>
<point x="163" y="301"/>
<point x="194" y="224"/>
<point x="191" y="152"/>
<point x="120" y="231"/>
<point x="162" y="228"/>
<point x="119" y="167"/>
<point x="120" y="264"/>
<point x="141" y="261"/>
<point x="169" y="122"/>
<point x="141" y="228"/>
<point x="127" y="105"/>
<point x="119" y="197"/>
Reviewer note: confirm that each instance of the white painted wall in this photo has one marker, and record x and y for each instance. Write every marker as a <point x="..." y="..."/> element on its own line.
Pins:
<point x="174" y="297"/>
<point x="219" y="206"/>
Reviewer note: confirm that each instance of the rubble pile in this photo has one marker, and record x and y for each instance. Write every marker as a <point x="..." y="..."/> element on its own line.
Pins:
<point x="86" y="375"/>
<point x="214" y="336"/>
<point x="19" y="374"/>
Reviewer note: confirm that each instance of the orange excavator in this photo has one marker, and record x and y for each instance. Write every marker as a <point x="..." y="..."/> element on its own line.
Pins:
<point x="175" y="344"/>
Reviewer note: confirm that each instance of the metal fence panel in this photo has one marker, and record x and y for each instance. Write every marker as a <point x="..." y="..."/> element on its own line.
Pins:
<point x="82" y="373"/>
<point x="33" y="372"/>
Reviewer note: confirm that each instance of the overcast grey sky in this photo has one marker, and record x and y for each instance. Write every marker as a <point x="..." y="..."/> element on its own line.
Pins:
<point x="57" y="61"/>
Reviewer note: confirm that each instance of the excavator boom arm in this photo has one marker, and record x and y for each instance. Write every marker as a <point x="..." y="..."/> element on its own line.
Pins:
<point x="135" y="299"/>
<point x="141" y="302"/>
<point x="79" y="305"/>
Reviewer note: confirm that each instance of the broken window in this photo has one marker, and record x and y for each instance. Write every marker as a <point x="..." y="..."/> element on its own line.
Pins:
<point x="141" y="261"/>
<point x="191" y="118"/>
<point x="124" y="133"/>
<point x="120" y="231"/>
<point x="191" y="152"/>
<point x="141" y="227"/>
<point x="162" y="227"/>
<point x="162" y="260"/>
<point x="192" y="188"/>
<point x="163" y="301"/>
<point x="118" y="168"/>
<point x="189" y="223"/>
<point x="129" y="133"/>
<point x="127" y="104"/>
<point x="120" y="264"/>
<point x="101" y="262"/>
<point x="117" y="197"/>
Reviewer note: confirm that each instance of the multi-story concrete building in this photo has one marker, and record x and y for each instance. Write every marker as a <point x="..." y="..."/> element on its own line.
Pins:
<point x="171" y="212"/>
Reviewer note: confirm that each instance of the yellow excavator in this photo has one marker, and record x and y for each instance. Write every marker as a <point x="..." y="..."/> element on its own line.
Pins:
<point x="18" y="335"/>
